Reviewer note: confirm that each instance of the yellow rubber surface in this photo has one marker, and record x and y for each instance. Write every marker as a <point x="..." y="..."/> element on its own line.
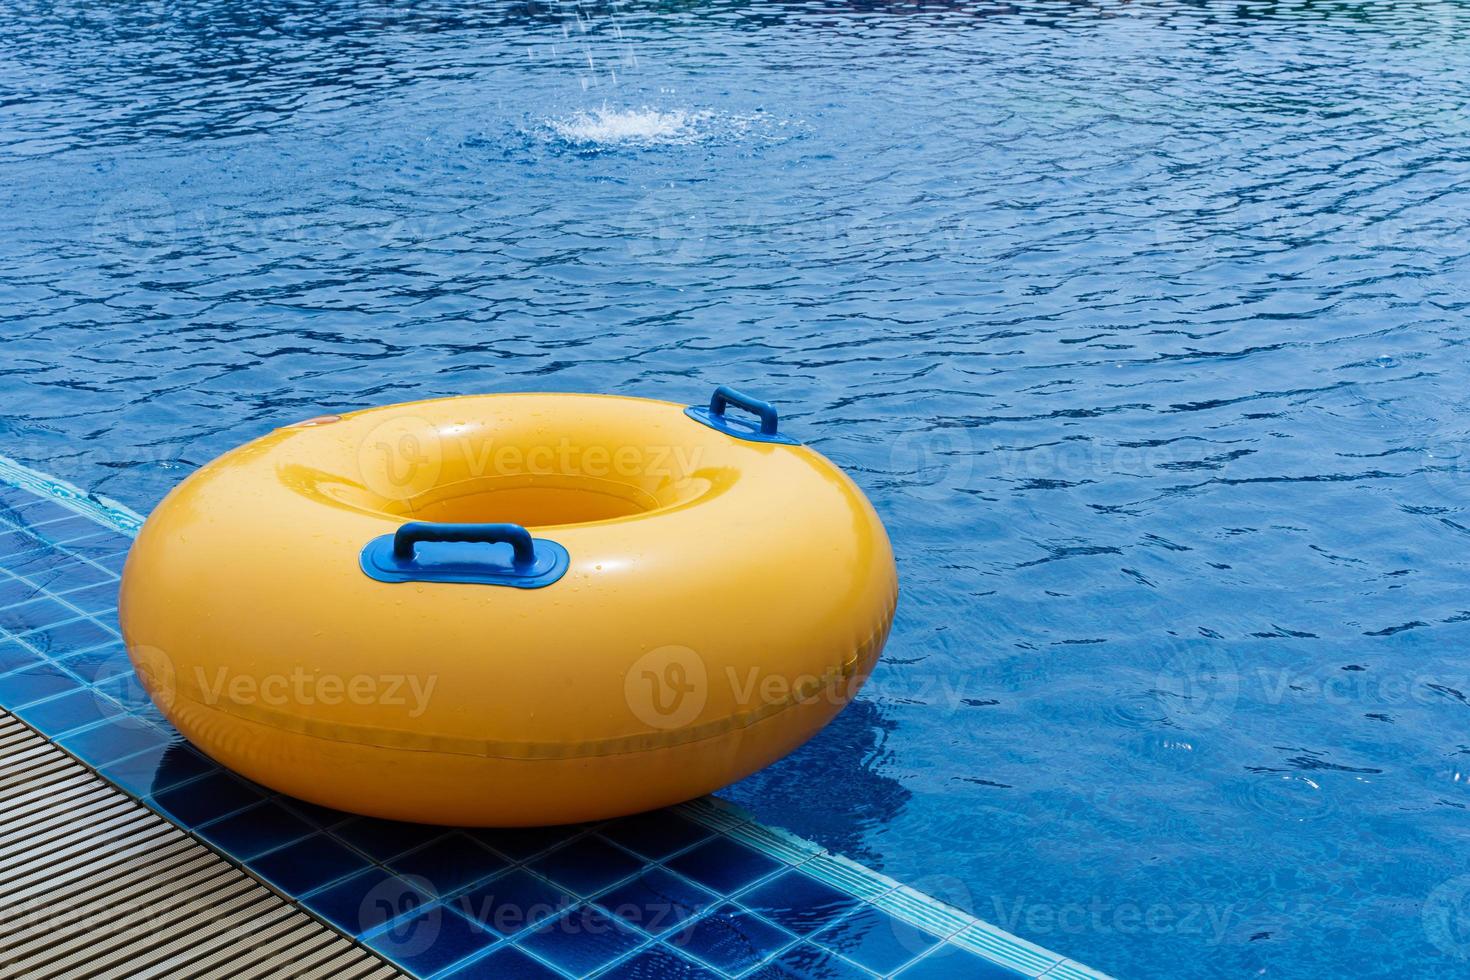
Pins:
<point x="724" y="601"/>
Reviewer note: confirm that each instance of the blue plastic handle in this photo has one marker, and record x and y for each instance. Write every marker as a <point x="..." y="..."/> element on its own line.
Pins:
<point x="724" y="394"/>
<point x="410" y="534"/>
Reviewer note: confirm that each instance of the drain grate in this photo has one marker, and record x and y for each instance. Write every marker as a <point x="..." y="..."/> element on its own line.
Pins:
<point x="94" y="885"/>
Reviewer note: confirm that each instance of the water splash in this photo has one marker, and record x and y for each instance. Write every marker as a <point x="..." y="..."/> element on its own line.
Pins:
<point x="609" y="128"/>
<point x="642" y="126"/>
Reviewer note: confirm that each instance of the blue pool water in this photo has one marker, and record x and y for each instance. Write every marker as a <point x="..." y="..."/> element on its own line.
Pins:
<point x="1142" y="324"/>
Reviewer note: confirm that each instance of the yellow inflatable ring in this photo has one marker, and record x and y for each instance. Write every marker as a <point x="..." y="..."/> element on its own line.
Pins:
<point x="665" y="600"/>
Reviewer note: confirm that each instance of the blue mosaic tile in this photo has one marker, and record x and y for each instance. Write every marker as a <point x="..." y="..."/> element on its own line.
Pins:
<point x="323" y="816"/>
<point x="449" y="864"/>
<point x="587" y="865"/>
<point x="77" y="709"/>
<point x="162" y="766"/>
<point x="101" y="665"/>
<point x="80" y="573"/>
<point x="20" y="687"/>
<point x="128" y="691"/>
<point x="13" y="497"/>
<point x="14" y="591"/>
<point x="16" y="543"/>
<point x="34" y="614"/>
<point x="431" y="940"/>
<point x="308" y="864"/>
<point x="146" y="712"/>
<point x="96" y="544"/>
<point x="124" y="688"/>
<point x="523" y="843"/>
<point x="724" y="865"/>
<point x="731" y="938"/>
<point x="165" y="763"/>
<point x="35" y="563"/>
<point x="114" y="563"/>
<point x="367" y="901"/>
<point x="506" y="963"/>
<point x="798" y="902"/>
<point x="582" y="940"/>
<point x="876" y="940"/>
<point x="256" y="830"/>
<point x="655" y="835"/>
<point x="94" y="599"/>
<point x="206" y="799"/>
<point x="383" y="840"/>
<point x="108" y="619"/>
<point x="14" y="656"/>
<point x="45" y="567"/>
<point x="58" y="572"/>
<point x="62" y="529"/>
<point x="657" y="901"/>
<point x="513" y="902"/>
<point x="807" y="962"/>
<point x="79" y="634"/>
<point x="953" y="963"/>
<point x="41" y="511"/>
<point x="659" y="963"/>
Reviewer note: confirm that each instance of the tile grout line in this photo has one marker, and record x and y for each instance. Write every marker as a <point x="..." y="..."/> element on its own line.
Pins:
<point x="952" y="925"/>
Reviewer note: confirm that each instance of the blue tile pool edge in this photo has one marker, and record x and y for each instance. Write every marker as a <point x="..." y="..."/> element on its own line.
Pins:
<point x="104" y="510"/>
<point x="952" y="925"/>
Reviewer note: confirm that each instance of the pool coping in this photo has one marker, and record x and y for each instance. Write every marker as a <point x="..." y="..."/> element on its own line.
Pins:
<point x="903" y="902"/>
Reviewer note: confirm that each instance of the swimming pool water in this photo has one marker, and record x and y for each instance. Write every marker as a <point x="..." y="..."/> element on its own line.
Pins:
<point x="1142" y="324"/>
